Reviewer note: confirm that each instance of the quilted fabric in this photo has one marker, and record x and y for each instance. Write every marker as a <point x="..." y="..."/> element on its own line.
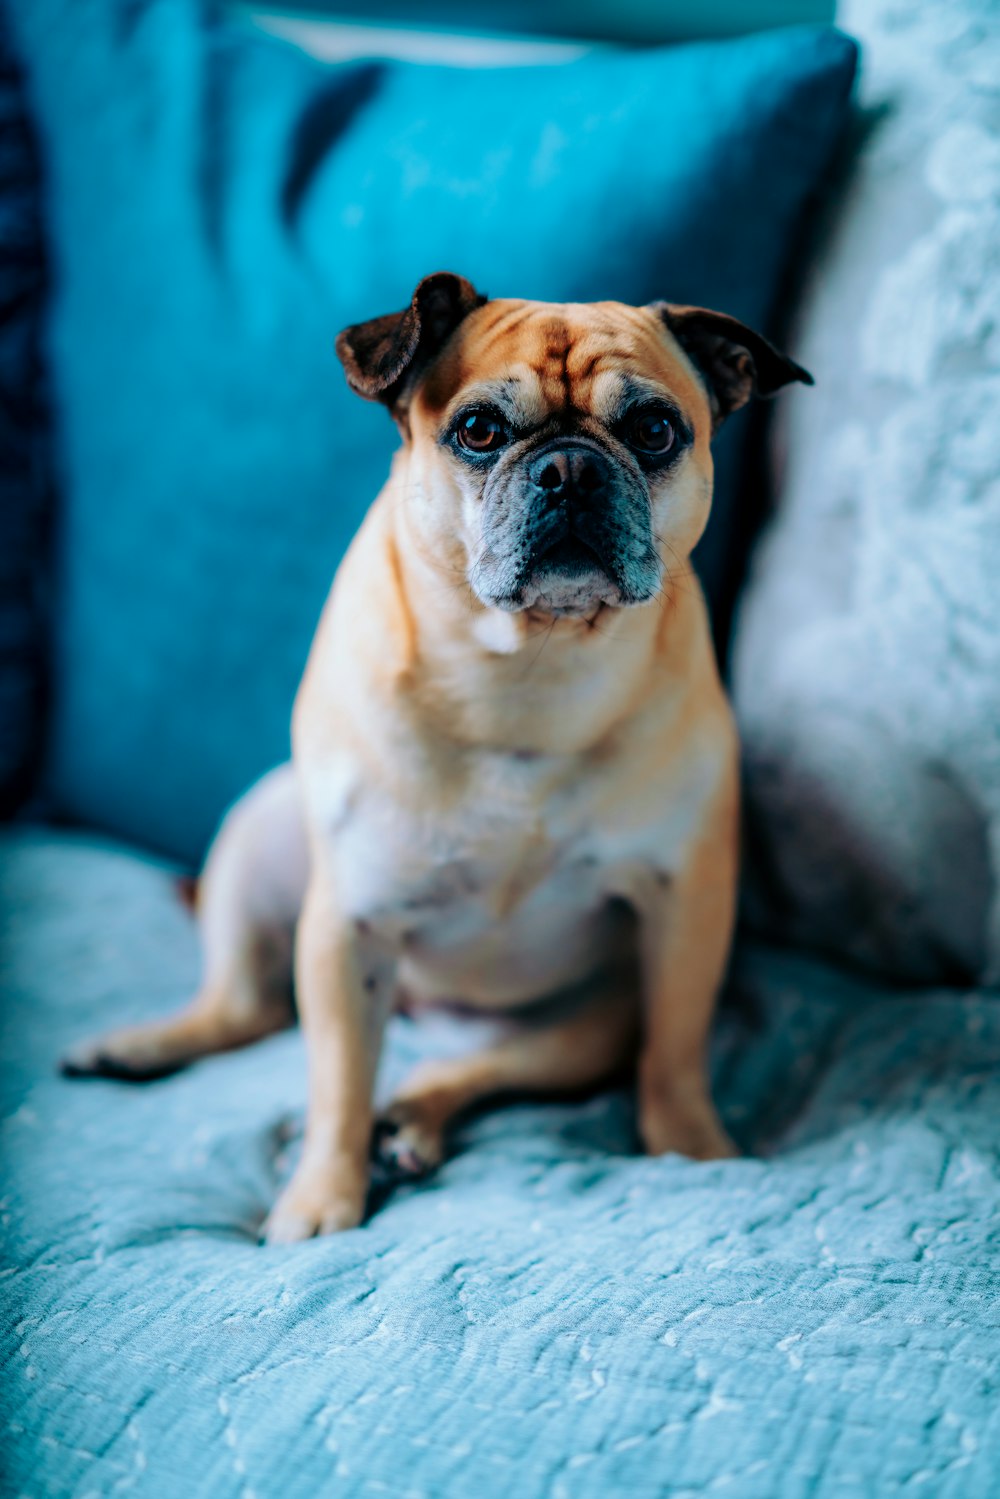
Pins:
<point x="551" y="1316"/>
<point x="219" y="206"/>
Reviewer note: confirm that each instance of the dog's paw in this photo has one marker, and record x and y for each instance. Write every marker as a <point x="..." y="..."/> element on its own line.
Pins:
<point x="407" y="1144"/>
<point x="695" y="1133"/>
<point x="313" y="1205"/>
<point x="127" y="1056"/>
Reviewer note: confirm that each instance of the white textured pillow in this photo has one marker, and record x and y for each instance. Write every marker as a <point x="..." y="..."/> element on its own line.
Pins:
<point x="867" y="664"/>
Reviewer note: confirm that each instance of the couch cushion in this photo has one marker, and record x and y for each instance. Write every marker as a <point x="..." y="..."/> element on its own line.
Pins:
<point x="550" y="1315"/>
<point x="867" y="669"/>
<point x="220" y="205"/>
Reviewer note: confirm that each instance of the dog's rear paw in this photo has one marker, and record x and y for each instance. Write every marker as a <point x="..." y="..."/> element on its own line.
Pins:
<point x="125" y="1058"/>
<point x="405" y="1144"/>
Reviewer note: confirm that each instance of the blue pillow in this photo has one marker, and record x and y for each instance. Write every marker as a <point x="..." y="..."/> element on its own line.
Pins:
<point x="221" y="205"/>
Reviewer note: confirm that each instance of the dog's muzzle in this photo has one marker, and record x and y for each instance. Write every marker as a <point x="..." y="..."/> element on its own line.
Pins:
<point x="566" y="529"/>
<point x="569" y="486"/>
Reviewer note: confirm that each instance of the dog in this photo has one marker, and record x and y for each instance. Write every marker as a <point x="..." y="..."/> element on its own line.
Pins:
<point x="515" y="771"/>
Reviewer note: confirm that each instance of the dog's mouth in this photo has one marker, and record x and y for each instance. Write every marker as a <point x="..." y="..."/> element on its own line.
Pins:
<point x="569" y="557"/>
<point x="570" y="577"/>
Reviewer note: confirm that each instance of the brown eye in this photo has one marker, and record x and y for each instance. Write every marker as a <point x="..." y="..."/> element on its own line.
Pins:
<point x="651" y="432"/>
<point x="480" y="432"/>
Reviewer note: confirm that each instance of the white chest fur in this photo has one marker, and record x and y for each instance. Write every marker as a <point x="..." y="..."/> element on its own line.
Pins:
<point x="499" y="885"/>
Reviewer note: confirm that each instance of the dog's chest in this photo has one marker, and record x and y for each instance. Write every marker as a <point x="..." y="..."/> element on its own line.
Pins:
<point x="501" y="876"/>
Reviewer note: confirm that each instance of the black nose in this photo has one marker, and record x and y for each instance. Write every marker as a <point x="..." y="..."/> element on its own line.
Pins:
<point x="571" y="473"/>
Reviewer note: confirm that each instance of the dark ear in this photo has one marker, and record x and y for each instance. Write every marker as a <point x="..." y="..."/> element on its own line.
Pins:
<point x="381" y="356"/>
<point x="736" y="362"/>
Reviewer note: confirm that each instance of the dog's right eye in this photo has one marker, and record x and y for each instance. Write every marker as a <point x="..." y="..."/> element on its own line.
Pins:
<point x="480" y="431"/>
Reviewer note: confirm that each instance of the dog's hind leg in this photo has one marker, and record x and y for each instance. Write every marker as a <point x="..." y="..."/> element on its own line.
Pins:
<point x="248" y="901"/>
<point x="572" y="1055"/>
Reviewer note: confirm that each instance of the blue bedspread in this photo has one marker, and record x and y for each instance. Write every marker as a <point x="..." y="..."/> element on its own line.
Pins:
<point x="551" y="1315"/>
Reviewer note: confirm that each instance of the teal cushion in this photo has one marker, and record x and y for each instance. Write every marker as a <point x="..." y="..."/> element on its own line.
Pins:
<point x="220" y="205"/>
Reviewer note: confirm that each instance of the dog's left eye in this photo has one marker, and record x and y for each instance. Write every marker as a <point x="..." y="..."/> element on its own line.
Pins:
<point x="651" y="431"/>
<point x="480" y="432"/>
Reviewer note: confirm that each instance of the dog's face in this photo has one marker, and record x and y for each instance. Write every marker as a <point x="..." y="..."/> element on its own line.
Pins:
<point x="560" y="457"/>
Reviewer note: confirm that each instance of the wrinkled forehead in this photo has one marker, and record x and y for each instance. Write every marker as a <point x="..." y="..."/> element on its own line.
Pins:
<point x="536" y="359"/>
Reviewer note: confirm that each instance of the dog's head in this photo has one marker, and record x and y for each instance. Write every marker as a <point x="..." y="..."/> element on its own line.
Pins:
<point x="559" y="453"/>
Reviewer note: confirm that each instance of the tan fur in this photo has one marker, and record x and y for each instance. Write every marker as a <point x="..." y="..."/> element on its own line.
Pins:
<point x="490" y="807"/>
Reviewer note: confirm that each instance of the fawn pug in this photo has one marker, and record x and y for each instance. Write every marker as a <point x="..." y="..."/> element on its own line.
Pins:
<point x="514" y="778"/>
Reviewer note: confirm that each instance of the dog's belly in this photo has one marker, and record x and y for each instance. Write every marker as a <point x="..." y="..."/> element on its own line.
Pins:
<point x="549" y="941"/>
<point x="502" y="920"/>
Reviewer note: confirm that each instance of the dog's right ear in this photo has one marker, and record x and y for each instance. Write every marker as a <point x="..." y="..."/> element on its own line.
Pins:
<point x="382" y="357"/>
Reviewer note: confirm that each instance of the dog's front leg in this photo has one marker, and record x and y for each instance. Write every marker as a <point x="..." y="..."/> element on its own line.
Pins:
<point x="343" y="985"/>
<point x="686" y="927"/>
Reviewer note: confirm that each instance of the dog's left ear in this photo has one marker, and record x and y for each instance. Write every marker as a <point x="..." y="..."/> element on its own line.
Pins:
<point x="736" y="362"/>
<point x="382" y="356"/>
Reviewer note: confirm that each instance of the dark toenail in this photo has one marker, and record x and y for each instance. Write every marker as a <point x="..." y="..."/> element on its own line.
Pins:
<point x="385" y="1129"/>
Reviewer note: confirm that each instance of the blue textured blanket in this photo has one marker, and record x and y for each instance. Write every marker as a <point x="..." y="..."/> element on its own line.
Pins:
<point x="551" y="1315"/>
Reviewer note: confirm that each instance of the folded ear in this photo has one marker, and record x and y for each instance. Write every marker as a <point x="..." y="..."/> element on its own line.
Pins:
<point x="736" y="362"/>
<point x="382" y="356"/>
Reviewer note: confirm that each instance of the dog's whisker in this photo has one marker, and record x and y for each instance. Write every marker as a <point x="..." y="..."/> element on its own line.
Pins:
<point x="545" y="640"/>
